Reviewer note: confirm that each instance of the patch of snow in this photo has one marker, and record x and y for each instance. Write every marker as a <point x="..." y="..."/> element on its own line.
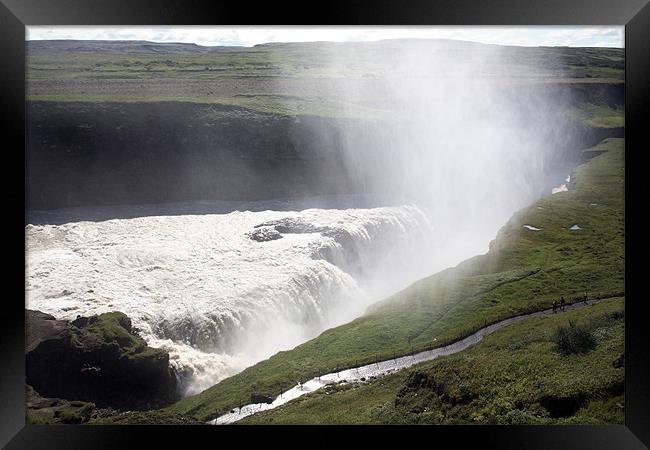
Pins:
<point x="532" y="228"/>
<point x="561" y="188"/>
<point x="575" y="227"/>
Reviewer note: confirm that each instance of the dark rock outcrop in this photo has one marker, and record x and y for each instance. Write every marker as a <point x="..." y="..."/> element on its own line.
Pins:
<point x="619" y="362"/>
<point x="264" y="234"/>
<point x="417" y="380"/>
<point x="274" y="229"/>
<point x="99" y="359"/>
<point x="562" y="406"/>
<point x="296" y="225"/>
<point x="289" y="225"/>
<point x="134" y="153"/>
<point x="42" y="410"/>
<point x="54" y="411"/>
<point x="261" y="398"/>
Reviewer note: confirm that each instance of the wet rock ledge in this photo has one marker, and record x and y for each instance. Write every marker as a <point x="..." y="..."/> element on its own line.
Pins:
<point x="99" y="359"/>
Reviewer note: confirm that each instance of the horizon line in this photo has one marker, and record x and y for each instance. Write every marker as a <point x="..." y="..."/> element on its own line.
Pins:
<point x="319" y="42"/>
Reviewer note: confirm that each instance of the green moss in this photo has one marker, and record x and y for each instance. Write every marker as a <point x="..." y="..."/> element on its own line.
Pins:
<point x="36" y="420"/>
<point x="145" y="418"/>
<point x="600" y="115"/>
<point x="86" y="410"/>
<point x="115" y="327"/>
<point x="71" y="418"/>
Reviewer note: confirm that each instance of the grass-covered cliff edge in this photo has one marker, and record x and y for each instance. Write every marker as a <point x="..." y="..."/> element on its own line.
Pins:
<point x="279" y="78"/>
<point x="524" y="270"/>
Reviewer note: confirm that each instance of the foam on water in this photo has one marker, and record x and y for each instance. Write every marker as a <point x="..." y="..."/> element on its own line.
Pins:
<point x="217" y="299"/>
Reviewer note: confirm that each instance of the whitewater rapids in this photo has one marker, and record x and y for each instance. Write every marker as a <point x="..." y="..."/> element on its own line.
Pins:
<point x="217" y="299"/>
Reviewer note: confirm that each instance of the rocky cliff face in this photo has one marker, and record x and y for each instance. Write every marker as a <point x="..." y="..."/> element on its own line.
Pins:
<point x="113" y="153"/>
<point x="102" y="153"/>
<point x="99" y="359"/>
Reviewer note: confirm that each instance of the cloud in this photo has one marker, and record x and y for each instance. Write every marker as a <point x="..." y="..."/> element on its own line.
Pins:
<point x="251" y="35"/>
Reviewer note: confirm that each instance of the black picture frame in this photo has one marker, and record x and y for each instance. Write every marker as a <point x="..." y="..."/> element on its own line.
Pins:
<point x="15" y="15"/>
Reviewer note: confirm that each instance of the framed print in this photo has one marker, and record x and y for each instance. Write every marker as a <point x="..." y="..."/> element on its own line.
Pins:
<point x="392" y="217"/>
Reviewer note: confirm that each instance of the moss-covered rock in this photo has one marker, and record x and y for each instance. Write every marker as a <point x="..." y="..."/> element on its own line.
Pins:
<point x="109" y="417"/>
<point x="99" y="359"/>
<point x="43" y="411"/>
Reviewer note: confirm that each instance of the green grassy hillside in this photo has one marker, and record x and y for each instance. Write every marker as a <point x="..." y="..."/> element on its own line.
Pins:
<point x="515" y="376"/>
<point x="285" y="79"/>
<point x="524" y="271"/>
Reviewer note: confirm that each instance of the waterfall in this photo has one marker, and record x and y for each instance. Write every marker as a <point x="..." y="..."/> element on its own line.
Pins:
<point x="222" y="291"/>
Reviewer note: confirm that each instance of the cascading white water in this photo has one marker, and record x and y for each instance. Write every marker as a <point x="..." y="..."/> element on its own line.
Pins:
<point x="219" y="300"/>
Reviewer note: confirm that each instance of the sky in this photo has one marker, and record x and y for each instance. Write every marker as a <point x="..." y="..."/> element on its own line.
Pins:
<point x="247" y="36"/>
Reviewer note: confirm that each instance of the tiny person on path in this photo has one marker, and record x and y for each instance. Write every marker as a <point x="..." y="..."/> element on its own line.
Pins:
<point x="562" y="303"/>
<point x="584" y="300"/>
<point x="554" y="306"/>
